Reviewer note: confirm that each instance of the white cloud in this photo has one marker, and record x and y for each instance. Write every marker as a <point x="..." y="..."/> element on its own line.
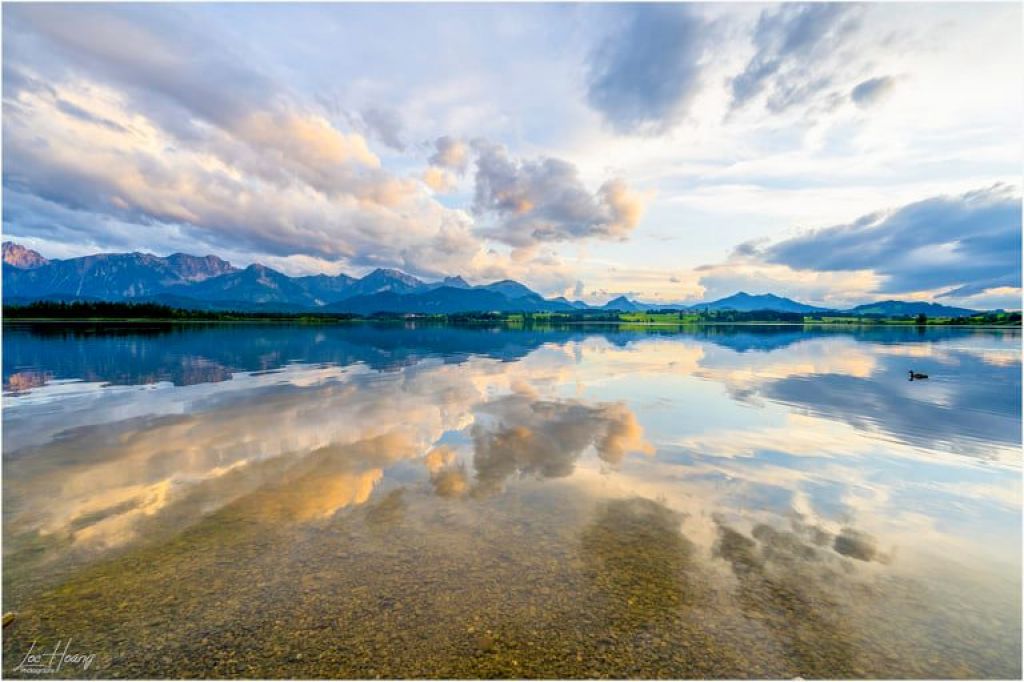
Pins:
<point x="233" y="130"/>
<point x="544" y="200"/>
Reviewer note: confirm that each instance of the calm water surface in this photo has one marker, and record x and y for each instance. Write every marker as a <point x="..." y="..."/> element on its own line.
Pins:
<point x="305" y="501"/>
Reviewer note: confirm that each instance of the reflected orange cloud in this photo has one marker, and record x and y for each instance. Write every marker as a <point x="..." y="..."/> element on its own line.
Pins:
<point x="310" y="440"/>
<point x="23" y="381"/>
<point x="518" y="435"/>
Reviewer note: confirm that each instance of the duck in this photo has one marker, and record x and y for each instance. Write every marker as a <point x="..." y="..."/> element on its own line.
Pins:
<point x="917" y="375"/>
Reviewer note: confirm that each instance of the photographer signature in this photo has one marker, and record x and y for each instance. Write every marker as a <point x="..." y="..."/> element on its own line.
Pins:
<point x="40" y="662"/>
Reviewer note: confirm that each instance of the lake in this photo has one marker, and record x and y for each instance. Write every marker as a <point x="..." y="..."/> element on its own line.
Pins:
<point x="421" y="501"/>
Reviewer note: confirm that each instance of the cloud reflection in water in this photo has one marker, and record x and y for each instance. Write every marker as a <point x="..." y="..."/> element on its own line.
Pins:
<point x="797" y="461"/>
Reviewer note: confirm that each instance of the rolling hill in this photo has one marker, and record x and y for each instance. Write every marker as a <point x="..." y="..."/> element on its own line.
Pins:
<point x="896" y="308"/>
<point x="744" y="302"/>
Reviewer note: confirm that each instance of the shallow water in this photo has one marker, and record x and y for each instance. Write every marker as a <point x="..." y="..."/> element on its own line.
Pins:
<point x="361" y="501"/>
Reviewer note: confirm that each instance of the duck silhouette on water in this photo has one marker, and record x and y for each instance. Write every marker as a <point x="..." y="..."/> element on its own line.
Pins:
<point x="917" y="375"/>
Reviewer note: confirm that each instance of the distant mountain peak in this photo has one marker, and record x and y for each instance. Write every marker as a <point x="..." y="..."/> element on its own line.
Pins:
<point x="621" y="303"/>
<point x="197" y="268"/>
<point x="392" y="273"/>
<point x="456" y="282"/>
<point x="209" y="258"/>
<point x="202" y="281"/>
<point x="323" y="277"/>
<point x="767" y="296"/>
<point x="19" y="256"/>
<point x="509" y="288"/>
<point x="745" y="302"/>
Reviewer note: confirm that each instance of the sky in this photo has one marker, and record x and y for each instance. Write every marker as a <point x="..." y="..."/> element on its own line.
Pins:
<point x="833" y="153"/>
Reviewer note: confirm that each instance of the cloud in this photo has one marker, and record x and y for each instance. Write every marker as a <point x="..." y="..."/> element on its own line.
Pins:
<point x="171" y="128"/>
<point x="133" y="144"/>
<point x="892" y="408"/>
<point x="872" y="91"/>
<point x="544" y="200"/>
<point x="447" y="475"/>
<point x="526" y="436"/>
<point x="325" y="200"/>
<point x="962" y="245"/>
<point x="853" y="543"/>
<point x="438" y="179"/>
<point x="794" y="49"/>
<point x="114" y="139"/>
<point x="827" y="289"/>
<point x="1007" y="298"/>
<point x="643" y="78"/>
<point x="72" y="109"/>
<point x="165" y="62"/>
<point x="747" y="248"/>
<point x="327" y="159"/>
<point x="385" y="125"/>
<point x="154" y="458"/>
<point x="451" y="154"/>
<point x="785" y="575"/>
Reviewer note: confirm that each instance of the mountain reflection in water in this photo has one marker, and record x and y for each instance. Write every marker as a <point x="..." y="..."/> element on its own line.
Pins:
<point x="354" y="501"/>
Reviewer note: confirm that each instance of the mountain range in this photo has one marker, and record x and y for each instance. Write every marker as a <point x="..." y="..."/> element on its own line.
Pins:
<point x="211" y="283"/>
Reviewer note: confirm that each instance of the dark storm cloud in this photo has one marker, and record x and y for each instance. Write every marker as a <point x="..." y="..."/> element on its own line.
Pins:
<point x="643" y="78"/>
<point x="872" y="90"/>
<point x="964" y="244"/>
<point x="544" y="200"/>
<point x="792" y="45"/>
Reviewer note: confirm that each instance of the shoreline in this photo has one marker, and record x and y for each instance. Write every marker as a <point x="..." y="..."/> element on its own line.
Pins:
<point x="504" y="323"/>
